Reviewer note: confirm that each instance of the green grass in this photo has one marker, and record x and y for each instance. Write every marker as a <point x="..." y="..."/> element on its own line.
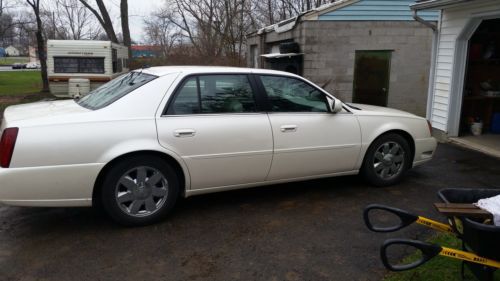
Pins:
<point x="18" y="87"/>
<point x="12" y="60"/>
<point x="439" y="268"/>
<point x="19" y="82"/>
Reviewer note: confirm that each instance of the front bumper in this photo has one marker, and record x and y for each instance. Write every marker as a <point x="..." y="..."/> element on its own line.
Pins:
<point x="424" y="150"/>
<point x="49" y="186"/>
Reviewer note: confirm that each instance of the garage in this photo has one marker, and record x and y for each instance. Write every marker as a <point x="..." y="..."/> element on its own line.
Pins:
<point x="464" y="91"/>
<point x="480" y="113"/>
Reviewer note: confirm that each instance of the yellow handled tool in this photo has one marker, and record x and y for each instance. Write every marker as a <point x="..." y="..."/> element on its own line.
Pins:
<point x="429" y="251"/>
<point x="406" y="218"/>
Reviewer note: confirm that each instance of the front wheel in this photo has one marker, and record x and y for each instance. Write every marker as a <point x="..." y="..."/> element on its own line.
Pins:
<point x="386" y="160"/>
<point x="140" y="190"/>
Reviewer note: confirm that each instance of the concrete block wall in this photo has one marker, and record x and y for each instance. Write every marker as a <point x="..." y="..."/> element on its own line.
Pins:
<point x="330" y="49"/>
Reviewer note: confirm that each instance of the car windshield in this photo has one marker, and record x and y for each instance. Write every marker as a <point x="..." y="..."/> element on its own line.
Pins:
<point x="115" y="89"/>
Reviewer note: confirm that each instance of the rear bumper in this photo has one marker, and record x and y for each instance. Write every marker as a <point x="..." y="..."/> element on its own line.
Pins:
<point x="424" y="150"/>
<point x="50" y="186"/>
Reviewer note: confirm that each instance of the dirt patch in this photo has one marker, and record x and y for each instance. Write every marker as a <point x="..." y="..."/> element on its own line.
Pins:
<point x="10" y="99"/>
<point x="6" y="101"/>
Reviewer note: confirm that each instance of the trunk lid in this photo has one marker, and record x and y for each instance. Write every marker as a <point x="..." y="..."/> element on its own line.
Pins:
<point x="44" y="109"/>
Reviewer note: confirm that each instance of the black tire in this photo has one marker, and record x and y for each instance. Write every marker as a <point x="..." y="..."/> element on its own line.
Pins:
<point x="372" y="173"/>
<point x="144" y="190"/>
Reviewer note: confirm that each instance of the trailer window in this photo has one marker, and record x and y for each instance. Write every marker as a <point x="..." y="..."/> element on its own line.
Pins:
<point x="115" y="89"/>
<point x="78" y="65"/>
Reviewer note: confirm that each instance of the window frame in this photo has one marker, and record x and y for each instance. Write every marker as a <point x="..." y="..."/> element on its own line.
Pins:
<point x="256" y="93"/>
<point x="268" y="102"/>
<point x="78" y="61"/>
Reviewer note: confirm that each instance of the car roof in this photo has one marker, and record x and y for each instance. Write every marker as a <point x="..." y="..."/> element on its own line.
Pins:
<point x="163" y="70"/>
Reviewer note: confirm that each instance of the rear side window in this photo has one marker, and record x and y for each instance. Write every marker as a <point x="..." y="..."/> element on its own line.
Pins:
<point x="115" y="89"/>
<point x="213" y="94"/>
<point x="286" y="94"/>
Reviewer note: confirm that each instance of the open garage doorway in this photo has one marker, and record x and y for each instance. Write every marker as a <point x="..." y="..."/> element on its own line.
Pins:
<point x="480" y="114"/>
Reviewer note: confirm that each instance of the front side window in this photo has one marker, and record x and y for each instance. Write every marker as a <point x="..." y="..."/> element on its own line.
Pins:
<point x="78" y="65"/>
<point x="115" y="89"/>
<point x="213" y="94"/>
<point x="286" y="94"/>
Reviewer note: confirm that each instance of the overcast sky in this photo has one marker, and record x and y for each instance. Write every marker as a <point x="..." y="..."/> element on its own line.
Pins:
<point x="137" y="10"/>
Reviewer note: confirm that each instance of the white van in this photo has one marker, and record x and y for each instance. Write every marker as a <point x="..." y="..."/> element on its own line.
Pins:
<point x="95" y="61"/>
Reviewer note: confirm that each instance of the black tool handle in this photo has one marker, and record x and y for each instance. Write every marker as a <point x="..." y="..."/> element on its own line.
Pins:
<point x="428" y="252"/>
<point x="405" y="217"/>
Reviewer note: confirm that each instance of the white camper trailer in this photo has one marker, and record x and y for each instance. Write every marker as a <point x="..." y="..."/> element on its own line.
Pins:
<point x="76" y="66"/>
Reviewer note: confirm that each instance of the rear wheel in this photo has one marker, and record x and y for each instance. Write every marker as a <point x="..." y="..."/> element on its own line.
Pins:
<point x="139" y="190"/>
<point x="386" y="160"/>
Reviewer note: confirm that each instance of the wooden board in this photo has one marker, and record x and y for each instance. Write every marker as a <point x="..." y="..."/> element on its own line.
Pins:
<point x="462" y="210"/>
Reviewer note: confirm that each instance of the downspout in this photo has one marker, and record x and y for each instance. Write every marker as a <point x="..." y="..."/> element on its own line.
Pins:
<point x="262" y="50"/>
<point x="430" y="90"/>
<point x="424" y="22"/>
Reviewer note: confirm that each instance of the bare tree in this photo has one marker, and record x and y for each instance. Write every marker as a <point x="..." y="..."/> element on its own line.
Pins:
<point x="69" y="20"/>
<point x="7" y="20"/>
<point x="214" y="28"/>
<point x="35" y="5"/>
<point x="4" y="5"/>
<point x="161" y="32"/>
<point x="103" y="17"/>
<point x="76" y="20"/>
<point x="272" y="11"/>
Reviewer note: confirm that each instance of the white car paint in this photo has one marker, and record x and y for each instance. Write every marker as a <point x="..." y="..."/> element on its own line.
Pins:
<point x="62" y="147"/>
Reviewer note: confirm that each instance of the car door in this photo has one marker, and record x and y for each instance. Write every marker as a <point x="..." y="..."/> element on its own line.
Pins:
<point x="213" y="122"/>
<point x="308" y="139"/>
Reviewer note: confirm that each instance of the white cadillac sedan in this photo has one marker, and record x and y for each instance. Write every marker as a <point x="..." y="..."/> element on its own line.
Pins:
<point x="137" y="143"/>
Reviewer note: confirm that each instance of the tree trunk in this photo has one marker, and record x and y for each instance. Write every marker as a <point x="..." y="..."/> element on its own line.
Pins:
<point x="108" y="24"/>
<point x="42" y="54"/>
<point x="35" y="4"/>
<point x="125" y="27"/>
<point x="103" y="19"/>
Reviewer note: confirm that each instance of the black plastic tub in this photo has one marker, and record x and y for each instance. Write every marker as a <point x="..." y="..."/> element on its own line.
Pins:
<point x="482" y="239"/>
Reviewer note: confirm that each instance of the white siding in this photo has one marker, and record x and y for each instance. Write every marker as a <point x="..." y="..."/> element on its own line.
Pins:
<point x="453" y="21"/>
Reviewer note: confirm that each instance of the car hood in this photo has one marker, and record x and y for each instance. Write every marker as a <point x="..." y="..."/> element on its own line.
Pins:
<point x="42" y="109"/>
<point x="365" y="109"/>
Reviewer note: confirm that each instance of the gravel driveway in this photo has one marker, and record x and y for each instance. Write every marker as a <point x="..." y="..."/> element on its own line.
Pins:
<point x="302" y="231"/>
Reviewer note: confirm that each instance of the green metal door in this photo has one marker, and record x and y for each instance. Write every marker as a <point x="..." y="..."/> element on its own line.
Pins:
<point x="371" y="77"/>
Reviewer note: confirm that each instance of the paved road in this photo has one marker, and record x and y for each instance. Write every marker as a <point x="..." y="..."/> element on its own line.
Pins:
<point x="9" y="68"/>
<point x="303" y="231"/>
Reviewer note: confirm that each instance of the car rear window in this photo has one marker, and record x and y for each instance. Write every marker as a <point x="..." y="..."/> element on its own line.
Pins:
<point x="115" y="89"/>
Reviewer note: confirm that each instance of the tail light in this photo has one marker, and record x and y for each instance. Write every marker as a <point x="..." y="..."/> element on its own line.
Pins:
<point x="7" y="144"/>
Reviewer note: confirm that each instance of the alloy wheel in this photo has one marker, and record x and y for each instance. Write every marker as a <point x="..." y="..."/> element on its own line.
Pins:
<point x="388" y="160"/>
<point x="141" y="191"/>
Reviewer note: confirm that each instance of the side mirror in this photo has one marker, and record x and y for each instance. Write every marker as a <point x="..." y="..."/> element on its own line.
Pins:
<point x="334" y="104"/>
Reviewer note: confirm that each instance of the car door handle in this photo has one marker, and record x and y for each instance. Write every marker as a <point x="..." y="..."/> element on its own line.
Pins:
<point x="288" y="128"/>
<point x="181" y="133"/>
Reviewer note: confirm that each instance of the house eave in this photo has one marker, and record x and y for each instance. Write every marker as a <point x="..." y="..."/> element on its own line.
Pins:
<point x="436" y="4"/>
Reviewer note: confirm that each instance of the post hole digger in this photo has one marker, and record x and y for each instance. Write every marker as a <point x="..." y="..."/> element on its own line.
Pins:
<point x="480" y="241"/>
